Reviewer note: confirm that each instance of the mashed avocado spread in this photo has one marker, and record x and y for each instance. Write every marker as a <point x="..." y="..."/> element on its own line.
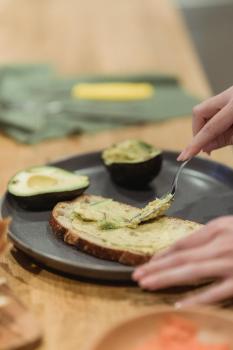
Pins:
<point x="130" y="151"/>
<point x="108" y="214"/>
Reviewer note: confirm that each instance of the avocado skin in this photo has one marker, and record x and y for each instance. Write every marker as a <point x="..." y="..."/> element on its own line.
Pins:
<point x="45" y="201"/>
<point x="135" y="175"/>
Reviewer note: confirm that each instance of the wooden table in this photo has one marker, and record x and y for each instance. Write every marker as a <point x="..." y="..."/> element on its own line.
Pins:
<point x="92" y="37"/>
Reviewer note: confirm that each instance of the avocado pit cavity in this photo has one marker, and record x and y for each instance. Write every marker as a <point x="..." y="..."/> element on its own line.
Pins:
<point x="41" y="181"/>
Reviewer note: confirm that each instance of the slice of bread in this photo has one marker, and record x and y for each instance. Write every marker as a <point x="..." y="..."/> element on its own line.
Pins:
<point x="126" y="245"/>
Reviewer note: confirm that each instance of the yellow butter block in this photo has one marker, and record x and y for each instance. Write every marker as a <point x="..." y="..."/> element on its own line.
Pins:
<point x="113" y="91"/>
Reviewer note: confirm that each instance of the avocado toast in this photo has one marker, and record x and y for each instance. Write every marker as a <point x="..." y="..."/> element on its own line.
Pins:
<point x="99" y="226"/>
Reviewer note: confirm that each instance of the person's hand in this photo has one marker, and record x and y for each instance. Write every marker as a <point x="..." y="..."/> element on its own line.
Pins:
<point x="212" y="125"/>
<point x="207" y="253"/>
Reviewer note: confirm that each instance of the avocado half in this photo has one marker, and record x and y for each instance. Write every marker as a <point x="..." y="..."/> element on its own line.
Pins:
<point x="132" y="163"/>
<point x="41" y="187"/>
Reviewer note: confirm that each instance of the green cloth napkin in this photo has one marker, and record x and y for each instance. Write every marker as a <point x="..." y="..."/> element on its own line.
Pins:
<point x="36" y="104"/>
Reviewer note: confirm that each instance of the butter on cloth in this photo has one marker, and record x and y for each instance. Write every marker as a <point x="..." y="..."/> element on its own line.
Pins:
<point x="118" y="91"/>
<point x="37" y="104"/>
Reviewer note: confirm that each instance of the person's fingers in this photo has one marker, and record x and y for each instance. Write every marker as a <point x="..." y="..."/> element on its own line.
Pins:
<point x="189" y="273"/>
<point x="208" y="108"/>
<point x="218" y="292"/>
<point x="200" y="237"/>
<point x="208" y="251"/>
<point x="203" y="112"/>
<point x="221" y="141"/>
<point x="190" y="248"/>
<point x="215" y="127"/>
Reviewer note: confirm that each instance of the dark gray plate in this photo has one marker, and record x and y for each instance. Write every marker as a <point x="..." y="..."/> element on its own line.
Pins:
<point x="205" y="192"/>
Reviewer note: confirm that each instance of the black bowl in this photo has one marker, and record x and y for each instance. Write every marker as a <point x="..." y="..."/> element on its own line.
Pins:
<point x="135" y="175"/>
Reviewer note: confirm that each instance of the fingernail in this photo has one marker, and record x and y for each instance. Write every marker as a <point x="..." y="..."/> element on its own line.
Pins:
<point x="137" y="274"/>
<point x="178" y="305"/>
<point x="184" y="304"/>
<point x="182" y="156"/>
<point x="149" y="283"/>
<point x="143" y="284"/>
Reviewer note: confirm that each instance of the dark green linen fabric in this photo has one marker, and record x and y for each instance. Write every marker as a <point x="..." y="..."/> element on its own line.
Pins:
<point x="36" y="103"/>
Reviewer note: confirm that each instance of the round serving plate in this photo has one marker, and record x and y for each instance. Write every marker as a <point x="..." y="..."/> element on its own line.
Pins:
<point x="205" y="191"/>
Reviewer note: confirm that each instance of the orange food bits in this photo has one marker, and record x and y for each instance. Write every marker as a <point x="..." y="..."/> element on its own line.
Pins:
<point x="178" y="329"/>
<point x="178" y="333"/>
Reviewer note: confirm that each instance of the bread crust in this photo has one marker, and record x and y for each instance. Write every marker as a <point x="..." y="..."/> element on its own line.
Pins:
<point x="72" y="238"/>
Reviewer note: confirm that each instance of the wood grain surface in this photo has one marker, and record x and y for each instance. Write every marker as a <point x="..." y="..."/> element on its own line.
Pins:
<point x="92" y="37"/>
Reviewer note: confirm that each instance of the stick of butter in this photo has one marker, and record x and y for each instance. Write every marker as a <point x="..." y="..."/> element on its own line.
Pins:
<point x="113" y="91"/>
